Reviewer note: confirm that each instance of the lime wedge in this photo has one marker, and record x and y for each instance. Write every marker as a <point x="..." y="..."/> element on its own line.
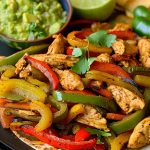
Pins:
<point x="93" y="9"/>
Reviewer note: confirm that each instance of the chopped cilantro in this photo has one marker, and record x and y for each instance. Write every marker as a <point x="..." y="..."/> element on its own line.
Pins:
<point x="101" y="38"/>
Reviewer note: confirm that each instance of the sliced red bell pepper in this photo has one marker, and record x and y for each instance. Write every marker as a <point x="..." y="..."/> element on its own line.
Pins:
<point x="83" y="33"/>
<point x="106" y="93"/>
<point x="115" y="116"/>
<point x="5" y="120"/>
<point x="125" y="35"/>
<point x="82" y="135"/>
<point x="110" y="68"/>
<point x="48" y="137"/>
<point x="46" y="70"/>
<point x="99" y="147"/>
<point x="117" y="57"/>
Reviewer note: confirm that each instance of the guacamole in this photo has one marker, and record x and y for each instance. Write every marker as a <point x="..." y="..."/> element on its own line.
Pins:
<point x="30" y="19"/>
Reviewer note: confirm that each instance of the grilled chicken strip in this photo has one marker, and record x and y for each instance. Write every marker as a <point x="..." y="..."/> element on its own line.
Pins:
<point x="93" y="118"/>
<point x="127" y="100"/>
<point x="141" y="134"/>
<point x="58" y="45"/>
<point x="144" y="50"/>
<point x="70" y="80"/>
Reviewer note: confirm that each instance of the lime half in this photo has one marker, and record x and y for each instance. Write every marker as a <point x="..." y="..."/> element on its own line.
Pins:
<point x="93" y="9"/>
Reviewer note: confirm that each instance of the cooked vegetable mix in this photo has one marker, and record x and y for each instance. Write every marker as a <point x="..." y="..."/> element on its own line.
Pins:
<point x="91" y="89"/>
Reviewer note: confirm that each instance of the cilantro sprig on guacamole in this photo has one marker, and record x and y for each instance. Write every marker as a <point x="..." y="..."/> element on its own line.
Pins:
<point x="30" y="20"/>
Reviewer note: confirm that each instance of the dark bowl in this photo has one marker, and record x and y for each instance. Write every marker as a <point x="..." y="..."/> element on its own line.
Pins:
<point x="21" y="44"/>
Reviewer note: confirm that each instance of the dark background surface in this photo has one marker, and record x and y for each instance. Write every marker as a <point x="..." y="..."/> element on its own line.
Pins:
<point x="8" y="141"/>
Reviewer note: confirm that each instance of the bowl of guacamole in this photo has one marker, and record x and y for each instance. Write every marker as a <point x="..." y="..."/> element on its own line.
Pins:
<point x="29" y="22"/>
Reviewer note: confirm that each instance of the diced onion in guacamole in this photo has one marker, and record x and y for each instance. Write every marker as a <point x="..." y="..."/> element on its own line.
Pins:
<point x="30" y="19"/>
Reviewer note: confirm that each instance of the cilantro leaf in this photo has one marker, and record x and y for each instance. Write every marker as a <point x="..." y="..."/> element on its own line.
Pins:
<point x="83" y="65"/>
<point x="99" y="134"/>
<point x="101" y="38"/>
<point x="76" y="52"/>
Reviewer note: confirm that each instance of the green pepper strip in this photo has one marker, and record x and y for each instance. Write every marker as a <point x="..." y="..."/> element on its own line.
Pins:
<point x="16" y="113"/>
<point x="142" y="80"/>
<point x="137" y="70"/>
<point x="62" y="112"/>
<point x="86" y="99"/>
<point x="12" y="59"/>
<point x="132" y="120"/>
<point x="110" y="79"/>
<point x="141" y="21"/>
<point x="22" y="88"/>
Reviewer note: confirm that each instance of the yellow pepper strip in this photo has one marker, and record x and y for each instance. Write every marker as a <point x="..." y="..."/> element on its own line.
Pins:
<point x="46" y="115"/>
<point x="74" y="111"/>
<point x="9" y="72"/>
<point x="74" y="41"/>
<point x="22" y="88"/>
<point x="120" y="140"/>
<point x="110" y="79"/>
<point x="42" y="85"/>
<point x="142" y="80"/>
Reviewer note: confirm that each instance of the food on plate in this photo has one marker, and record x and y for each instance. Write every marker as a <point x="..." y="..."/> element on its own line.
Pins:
<point x="88" y="90"/>
<point x="30" y="20"/>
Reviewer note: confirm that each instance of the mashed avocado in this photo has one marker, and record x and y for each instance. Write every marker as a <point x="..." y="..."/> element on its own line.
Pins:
<point x="30" y="19"/>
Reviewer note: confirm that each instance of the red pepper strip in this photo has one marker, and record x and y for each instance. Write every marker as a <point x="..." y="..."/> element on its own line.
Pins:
<point x="117" y="57"/>
<point x="82" y="135"/>
<point x="83" y="33"/>
<point x="57" y="142"/>
<point x="99" y="147"/>
<point x="110" y="68"/>
<point x="46" y="70"/>
<point x="91" y="54"/>
<point x="106" y="93"/>
<point x="125" y="35"/>
<point x="3" y="101"/>
<point x="84" y="92"/>
<point x="113" y="116"/>
<point x="5" y="120"/>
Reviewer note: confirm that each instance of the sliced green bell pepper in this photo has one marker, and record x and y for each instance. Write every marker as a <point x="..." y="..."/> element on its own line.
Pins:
<point x="141" y="21"/>
<point x="85" y="99"/>
<point x="137" y="70"/>
<point x="132" y="120"/>
<point x="142" y="80"/>
<point x="12" y="59"/>
<point x="141" y="11"/>
<point x="22" y="88"/>
<point x="110" y="79"/>
<point x="16" y="113"/>
<point x="62" y="112"/>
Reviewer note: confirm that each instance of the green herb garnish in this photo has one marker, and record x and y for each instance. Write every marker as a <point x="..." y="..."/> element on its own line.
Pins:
<point x="99" y="134"/>
<point x="101" y="38"/>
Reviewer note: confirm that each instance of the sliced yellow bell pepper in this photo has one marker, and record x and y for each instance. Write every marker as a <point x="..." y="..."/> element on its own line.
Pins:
<point x="110" y="79"/>
<point x="74" y="41"/>
<point x="118" y="142"/>
<point x="74" y="111"/>
<point x="46" y="115"/>
<point x="22" y="88"/>
<point x="8" y="73"/>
